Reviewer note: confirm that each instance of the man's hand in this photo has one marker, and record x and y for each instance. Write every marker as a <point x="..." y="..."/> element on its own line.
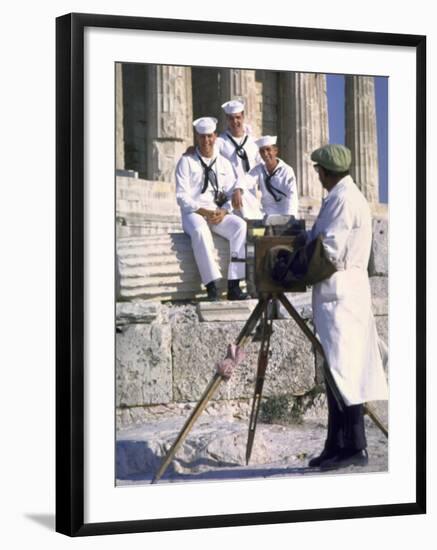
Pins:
<point x="217" y="216"/>
<point x="237" y="199"/>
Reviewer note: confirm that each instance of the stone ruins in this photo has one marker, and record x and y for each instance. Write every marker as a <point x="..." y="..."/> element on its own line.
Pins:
<point x="166" y="343"/>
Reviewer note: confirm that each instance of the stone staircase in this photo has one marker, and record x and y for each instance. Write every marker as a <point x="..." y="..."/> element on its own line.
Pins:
<point x="162" y="267"/>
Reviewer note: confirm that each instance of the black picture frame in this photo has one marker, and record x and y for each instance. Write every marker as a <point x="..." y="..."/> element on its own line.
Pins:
<point x="70" y="240"/>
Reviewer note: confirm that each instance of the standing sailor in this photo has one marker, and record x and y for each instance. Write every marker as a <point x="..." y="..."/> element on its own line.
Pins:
<point x="342" y="310"/>
<point x="239" y="147"/>
<point x="205" y="182"/>
<point x="235" y="143"/>
<point x="275" y="179"/>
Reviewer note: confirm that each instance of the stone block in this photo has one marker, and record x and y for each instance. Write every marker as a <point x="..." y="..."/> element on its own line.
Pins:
<point x="226" y="310"/>
<point x="379" y="290"/>
<point x="143" y="365"/>
<point x="138" y="312"/>
<point x="378" y="263"/>
<point x="198" y="348"/>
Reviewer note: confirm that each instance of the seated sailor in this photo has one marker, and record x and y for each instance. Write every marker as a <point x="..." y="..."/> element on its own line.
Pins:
<point x="275" y="180"/>
<point x="205" y="182"/>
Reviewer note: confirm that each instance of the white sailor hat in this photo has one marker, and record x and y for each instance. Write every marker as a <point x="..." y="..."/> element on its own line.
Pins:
<point x="232" y="107"/>
<point x="265" y="141"/>
<point x="205" y="125"/>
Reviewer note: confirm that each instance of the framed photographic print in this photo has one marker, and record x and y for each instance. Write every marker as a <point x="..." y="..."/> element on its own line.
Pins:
<point x="182" y="403"/>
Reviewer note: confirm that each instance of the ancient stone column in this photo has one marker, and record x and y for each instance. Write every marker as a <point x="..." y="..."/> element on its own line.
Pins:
<point x="119" y="130"/>
<point x="169" y="118"/>
<point x="134" y="96"/>
<point x="303" y="123"/>
<point x="240" y="84"/>
<point x="361" y="137"/>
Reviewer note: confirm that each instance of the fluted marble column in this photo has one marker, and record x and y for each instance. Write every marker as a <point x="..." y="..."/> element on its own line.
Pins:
<point x="361" y="136"/>
<point x="240" y="84"/>
<point x="169" y="117"/>
<point x="304" y="126"/>
<point x="119" y="130"/>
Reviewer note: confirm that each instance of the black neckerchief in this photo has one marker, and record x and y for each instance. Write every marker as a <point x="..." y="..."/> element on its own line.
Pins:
<point x="241" y="152"/>
<point x="272" y="190"/>
<point x="209" y="175"/>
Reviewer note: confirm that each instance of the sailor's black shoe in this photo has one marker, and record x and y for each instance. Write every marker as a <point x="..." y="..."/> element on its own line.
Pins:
<point x="234" y="290"/>
<point x="344" y="459"/>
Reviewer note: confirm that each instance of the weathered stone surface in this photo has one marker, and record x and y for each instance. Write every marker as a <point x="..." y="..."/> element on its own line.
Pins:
<point x="378" y="264"/>
<point x="139" y="200"/>
<point x="215" y="449"/>
<point x="226" y="310"/>
<point x="197" y="349"/>
<point x="139" y="312"/>
<point x="232" y="409"/>
<point x="143" y="365"/>
<point x="379" y="290"/>
<point x="162" y="267"/>
<point x="181" y="313"/>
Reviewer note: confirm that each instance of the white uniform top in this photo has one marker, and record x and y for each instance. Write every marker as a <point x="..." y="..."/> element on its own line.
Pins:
<point x="190" y="181"/>
<point x="228" y="150"/>
<point x="342" y="303"/>
<point x="283" y="181"/>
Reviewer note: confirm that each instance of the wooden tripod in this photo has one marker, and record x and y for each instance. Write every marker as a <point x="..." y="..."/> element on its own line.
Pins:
<point x="263" y="311"/>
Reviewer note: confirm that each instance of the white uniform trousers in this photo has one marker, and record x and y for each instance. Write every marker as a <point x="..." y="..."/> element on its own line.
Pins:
<point x="231" y="228"/>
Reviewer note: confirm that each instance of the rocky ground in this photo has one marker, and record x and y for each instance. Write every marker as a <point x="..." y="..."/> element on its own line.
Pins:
<point x="215" y="450"/>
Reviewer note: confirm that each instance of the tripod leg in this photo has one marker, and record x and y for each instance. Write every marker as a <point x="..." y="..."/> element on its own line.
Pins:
<point x="263" y="359"/>
<point x="197" y="411"/>
<point x="371" y="413"/>
<point x="210" y="390"/>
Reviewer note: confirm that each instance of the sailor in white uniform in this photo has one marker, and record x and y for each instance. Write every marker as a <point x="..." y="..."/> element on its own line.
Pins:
<point x="205" y="182"/>
<point x="239" y="147"/>
<point x="275" y="180"/>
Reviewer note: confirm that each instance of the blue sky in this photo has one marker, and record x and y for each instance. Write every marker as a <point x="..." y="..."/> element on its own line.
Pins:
<point x="336" y="114"/>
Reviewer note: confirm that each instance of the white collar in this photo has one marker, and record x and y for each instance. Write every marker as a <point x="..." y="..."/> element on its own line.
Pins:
<point x="279" y="165"/>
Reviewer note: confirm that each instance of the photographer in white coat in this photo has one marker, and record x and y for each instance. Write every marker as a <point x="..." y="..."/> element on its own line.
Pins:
<point x="342" y="309"/>
<point x="205" y="182"/>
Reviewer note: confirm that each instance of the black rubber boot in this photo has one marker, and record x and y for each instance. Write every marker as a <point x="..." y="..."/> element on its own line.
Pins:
<point x="211" y="289"/>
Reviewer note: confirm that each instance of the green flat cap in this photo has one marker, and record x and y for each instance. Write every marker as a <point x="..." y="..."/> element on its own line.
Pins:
<point x="336" y="158"/>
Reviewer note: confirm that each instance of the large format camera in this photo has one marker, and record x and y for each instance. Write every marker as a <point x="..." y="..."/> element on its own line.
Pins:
<point x="263" y="236"/>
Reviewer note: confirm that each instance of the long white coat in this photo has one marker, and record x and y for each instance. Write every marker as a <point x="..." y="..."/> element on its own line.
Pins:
<point x="342" y="304"/>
